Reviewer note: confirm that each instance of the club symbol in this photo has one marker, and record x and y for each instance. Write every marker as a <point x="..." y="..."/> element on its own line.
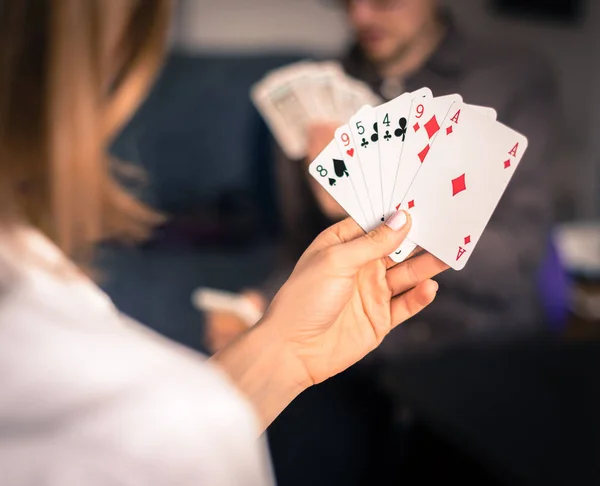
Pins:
<point x="375" y="136"/>
<point x="387" y="136"/>
<point x="401" y="132"/>
<point x="364" y="143"/>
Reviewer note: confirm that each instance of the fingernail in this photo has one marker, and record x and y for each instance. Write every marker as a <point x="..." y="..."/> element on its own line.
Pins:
<point x="396" y="221"/>
<point x="437" y="286"/>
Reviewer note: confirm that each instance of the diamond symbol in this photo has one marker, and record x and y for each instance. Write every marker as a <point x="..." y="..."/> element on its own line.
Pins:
<point x="449" y="130"/>
<point x="416" y="127"/>
<point x="411" y="204"/>
<point x="467" y="239"/>
<point x="507" y="164"/>
<point x="459" y="185"/>
<point x="423" y="153"/>
<point x="432" y="127"/>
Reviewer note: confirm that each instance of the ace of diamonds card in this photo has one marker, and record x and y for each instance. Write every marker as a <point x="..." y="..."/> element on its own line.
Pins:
<point x="459" y="186"/>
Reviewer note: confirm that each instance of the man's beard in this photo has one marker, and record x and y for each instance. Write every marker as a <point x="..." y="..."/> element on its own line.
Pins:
<point x="400" y="52"/>
<point x="396" y="56"/>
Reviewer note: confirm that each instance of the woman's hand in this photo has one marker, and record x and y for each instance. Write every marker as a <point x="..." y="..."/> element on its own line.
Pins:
<point x="344" y="296"/>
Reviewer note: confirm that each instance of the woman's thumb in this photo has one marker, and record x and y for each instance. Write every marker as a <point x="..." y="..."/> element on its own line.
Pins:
<point x="378" y="243"/>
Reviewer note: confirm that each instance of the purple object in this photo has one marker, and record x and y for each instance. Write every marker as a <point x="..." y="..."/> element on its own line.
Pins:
<point x="554" y="287"/>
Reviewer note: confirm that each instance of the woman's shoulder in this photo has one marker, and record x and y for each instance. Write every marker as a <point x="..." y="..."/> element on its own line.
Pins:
<point x="105" y="389"/>
<point x="57" y="322"/>
<point x="125" y="403"/>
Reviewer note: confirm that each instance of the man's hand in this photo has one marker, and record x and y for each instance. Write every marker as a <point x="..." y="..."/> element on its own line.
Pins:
<point x="221" y="329"/>
<point x="224" y="327"/>
<point x="318" y="136"/>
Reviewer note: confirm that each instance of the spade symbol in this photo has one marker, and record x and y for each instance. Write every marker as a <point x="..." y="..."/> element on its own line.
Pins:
<point x="401" y="132"/>
<point x="375" y="136"/>
<point x="332" y="182"/>
<point x="340" y="168"/>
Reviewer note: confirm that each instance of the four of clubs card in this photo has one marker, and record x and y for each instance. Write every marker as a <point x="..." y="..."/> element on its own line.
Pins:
<point x="445" y="162"/>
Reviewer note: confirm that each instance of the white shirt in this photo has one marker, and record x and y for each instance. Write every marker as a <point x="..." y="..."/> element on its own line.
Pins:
<point x="90" y="398"/>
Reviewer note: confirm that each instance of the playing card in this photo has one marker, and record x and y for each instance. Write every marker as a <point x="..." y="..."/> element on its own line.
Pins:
<point x="292" y="97"/>
<point x="351" y="95"/>
<point x="343" y="138"/>
<point x="330" y="171"/>
<point x="458" y="188"/>
<point x="408" y="246"/>
<point x="207" y="299"/>
<point x="392" y="120"/>
<point x="486" y="110"/>
<point x="285" y="114"/>
<point x="423" y="125"/>
<point x="283" y="73"/>
<point x="363" y="127"/>
<point x="316" y="90"/>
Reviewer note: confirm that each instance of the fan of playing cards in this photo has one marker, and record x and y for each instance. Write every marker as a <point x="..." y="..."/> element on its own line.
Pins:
<point x="294" y="96"/>
<point x="445" y="162"/>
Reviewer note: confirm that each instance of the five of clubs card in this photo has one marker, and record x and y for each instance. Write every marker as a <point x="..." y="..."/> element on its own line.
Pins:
<point x="445" y="162"/>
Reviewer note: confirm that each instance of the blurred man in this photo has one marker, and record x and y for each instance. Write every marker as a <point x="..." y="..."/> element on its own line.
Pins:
<point x="403" y="45"/>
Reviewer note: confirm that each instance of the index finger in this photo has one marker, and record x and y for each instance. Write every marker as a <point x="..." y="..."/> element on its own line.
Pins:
<point x="412" y="272"/>
<point x="391" y="263"/>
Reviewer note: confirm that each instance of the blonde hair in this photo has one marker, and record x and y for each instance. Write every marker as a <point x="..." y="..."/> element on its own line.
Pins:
<point x="72" y="72"/>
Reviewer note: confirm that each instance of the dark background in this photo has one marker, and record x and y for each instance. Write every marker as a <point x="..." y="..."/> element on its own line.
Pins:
<point x="510" y="414"/>
<point x="563" y="11"/>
